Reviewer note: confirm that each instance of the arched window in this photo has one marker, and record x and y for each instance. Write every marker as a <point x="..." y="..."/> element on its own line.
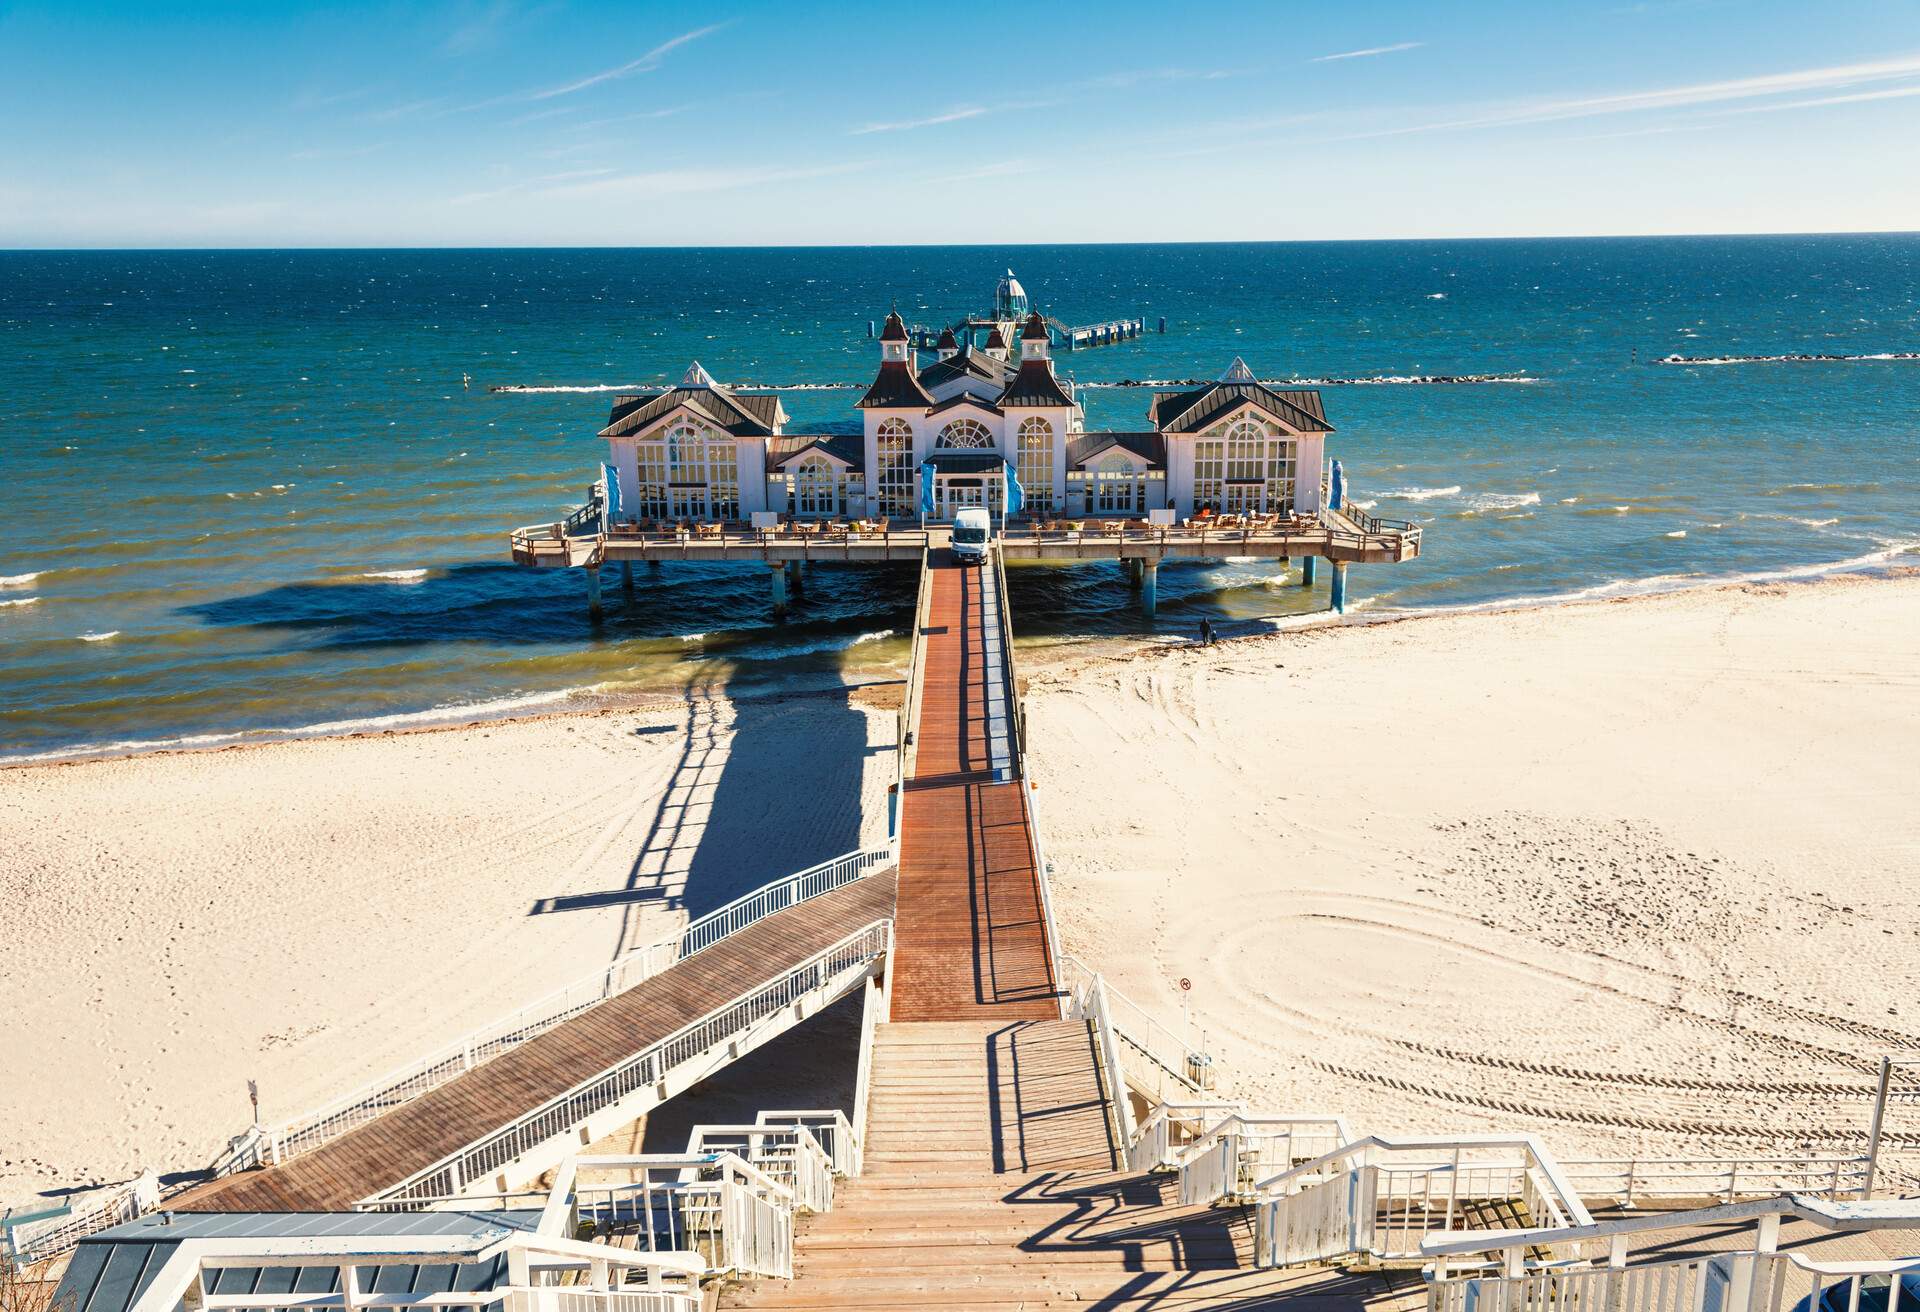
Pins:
<point x="1035" y="463"/>
<point x="816" y="488"/>
<point x="965" y="433"/>
<point x="1117" y="486"/>
<point x="894" y="443"/>
<point x="687" y="471"/>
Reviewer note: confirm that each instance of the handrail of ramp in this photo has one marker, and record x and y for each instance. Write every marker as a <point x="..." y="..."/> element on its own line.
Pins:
<point x="827" y="972"/>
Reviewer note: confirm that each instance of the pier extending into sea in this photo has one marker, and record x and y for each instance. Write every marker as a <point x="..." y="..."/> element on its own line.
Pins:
<point x="1021" y="1135"/>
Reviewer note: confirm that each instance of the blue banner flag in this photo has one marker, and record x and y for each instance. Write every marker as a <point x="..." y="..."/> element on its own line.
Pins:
<point x="1016" y="495"/>
<point x="613" y="491"/>
<point x="1337" y="498"/>
<point x="926" y="491"/>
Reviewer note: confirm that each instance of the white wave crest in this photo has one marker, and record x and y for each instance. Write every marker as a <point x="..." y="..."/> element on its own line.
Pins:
<point x="1804" y="357"/>
<point x="1815" y="523"/>
<point x="100" y="637"/>
<point x="496" y="708"/>
<point x="1678" y="533"/>
<point x="1420" y="493"/>
<point x="21" y="601"/>
<point x="396" y="575"/>
<point x="18" y="580"/>
<point x="1503" y="500"/>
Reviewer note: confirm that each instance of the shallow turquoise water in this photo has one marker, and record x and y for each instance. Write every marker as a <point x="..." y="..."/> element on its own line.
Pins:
<point x="249" y="491"/>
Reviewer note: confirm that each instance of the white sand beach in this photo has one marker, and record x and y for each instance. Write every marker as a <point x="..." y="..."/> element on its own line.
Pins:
<point x="1637" y="875"/>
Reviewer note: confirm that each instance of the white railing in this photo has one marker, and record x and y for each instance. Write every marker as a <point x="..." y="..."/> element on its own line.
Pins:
<point x="788" y="1154"/>
<point x="736" y="1217"/>
<point x="873" y="1011"/>
<point x="1629" y="1180"/>
<point x="1241" y="1149"/>
<point x="272" y="1145"/>
<point x="35" y="1241"/>
<point x="1090" y="1004"/>
<point x="1159" y="1141"/>
<point x="1553" y="1270"/>
<point x="907" y="749"/>
<point x="832" y="1130"/>
<point x="1154" y="1056"/>
<point x="832" y="969"/>
<point x="1397" y="1191"/>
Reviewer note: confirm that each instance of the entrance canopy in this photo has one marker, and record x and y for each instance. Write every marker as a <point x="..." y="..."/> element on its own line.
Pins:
<point x="965" y="462"/>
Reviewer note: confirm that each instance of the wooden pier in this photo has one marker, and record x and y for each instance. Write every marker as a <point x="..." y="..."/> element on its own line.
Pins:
<point x="970" y="931"/>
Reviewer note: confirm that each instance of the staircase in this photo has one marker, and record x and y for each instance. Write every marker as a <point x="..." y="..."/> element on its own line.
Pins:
<point x="991" y="1183"/>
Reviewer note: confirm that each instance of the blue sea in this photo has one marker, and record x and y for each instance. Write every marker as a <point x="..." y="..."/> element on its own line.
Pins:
<point x="249" y="493"/>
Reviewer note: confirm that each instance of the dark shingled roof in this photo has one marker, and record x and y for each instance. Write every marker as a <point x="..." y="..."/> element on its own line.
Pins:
<point x="1090" y="446"/>
<point x="959" y="399"/>
<point x="743" y="416"/>
<point x="996" y="340"/>
<point x="1035" y="385"/>
<point x="850" y="448"/>
<point x="1036" y="329"/>
<point x="947" y="342"/>
<point x="966" y="361"/>
<point x="1188" y="412"/>
<point x="953" y="460"/>
<point x="895" y="385"/>
<point x="895" y="328"/>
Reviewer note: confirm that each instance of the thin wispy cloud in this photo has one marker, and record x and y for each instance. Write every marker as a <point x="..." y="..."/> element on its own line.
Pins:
<point x="1854" y="98"/>
<point x="646" y="63"/>
<point x="1693" y="94"/>
<point x="1006" y="168"/>
<point x="1134" y="77"/>
<point x="528" y="184"/>
<point x="932" y="120"/>
<point x="339" y="152"/>
<point x="684" y="182"/>
<point x="1369" y="52"/>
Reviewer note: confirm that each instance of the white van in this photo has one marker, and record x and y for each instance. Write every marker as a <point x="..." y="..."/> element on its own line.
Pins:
<point x="971" y="528"/>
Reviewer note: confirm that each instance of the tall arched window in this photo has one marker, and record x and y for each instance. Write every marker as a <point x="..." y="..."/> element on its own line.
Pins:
<point x="816" y="488"/>
<point x="687" y="471"/>
<point x="1117" y="486"/>
<point x="894" y="481"/>
<point x="965" y="433"/>
<point x="1035" y="462"/>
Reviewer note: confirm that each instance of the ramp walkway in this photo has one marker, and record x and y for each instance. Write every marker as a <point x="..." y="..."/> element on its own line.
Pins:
<point x="411" y="1138"/>
<point x="970" y="929"/>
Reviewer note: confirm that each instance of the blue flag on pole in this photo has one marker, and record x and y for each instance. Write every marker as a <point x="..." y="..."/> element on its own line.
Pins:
<point x="613" y="491"/>
<point x="926" y="491"/>
<point x="1337" y="498"/>
<point x="1016" y="495"/>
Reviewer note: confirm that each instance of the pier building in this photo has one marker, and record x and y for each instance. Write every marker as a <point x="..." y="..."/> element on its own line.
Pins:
<point x="1010" y="309"/>
<point x="703" y="471"/>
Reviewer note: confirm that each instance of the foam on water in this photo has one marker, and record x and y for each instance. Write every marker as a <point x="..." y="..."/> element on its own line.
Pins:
<point x="20" y="601"/>
<point x="396" y="575"/>
<point x="1420" y="493"/>
<point x="100" y="637"/>
<point x="18" y="580"/>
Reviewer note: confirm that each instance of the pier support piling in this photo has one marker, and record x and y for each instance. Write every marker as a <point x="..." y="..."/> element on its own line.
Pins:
<point x="1339" y="596"/>
<point x="1134" y="573"/>
<point x="779" y="575"/>
<point x="626" y="578"/>
<point x="1149" y="586"/>
<point x="1307" y="566"/>
<point x="594" y="610"/>
<point x="794" y="579"/>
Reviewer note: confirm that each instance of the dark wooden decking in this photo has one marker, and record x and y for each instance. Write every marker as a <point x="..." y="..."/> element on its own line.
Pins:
<point x="419" y="1133"/>
<point x="969" y="935"/>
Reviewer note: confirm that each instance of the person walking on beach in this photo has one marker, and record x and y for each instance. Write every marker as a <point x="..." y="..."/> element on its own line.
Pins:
<point x="1206" y="631"/>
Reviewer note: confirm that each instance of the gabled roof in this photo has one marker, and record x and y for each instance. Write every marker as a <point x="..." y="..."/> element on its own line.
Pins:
<point x="753" y="415"/>
<point x="947" y="342"/>
<point x="1035" y="384"/>
<point x="895" y="385"/>
<point x="1190" y="411"/>
<point x="1087" y="447"/>
<point x="959" y="399"/>
<point x="895" y="328"/>
<point x="966" y="361"/>
<point x="996" y="340"/>
<point x="847" y="448"/>
<point x="1036" y="329"/>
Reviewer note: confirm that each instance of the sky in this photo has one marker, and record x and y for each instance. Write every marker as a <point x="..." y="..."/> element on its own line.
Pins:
<point x="566" y="122"/>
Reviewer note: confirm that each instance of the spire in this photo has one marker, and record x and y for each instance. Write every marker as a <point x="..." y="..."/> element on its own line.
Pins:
<point x="697" y="377"/>
<point x="997" y="343"/>
<point x="1034" y="340"/>
<point x="1237" y="372"/>
<point x="948" y="346"/>
<point x="895" y="328"/>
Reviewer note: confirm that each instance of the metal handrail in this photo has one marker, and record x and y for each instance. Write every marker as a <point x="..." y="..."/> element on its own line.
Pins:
<point x="276" y="1144"/>
<point x="560" y="1113"/>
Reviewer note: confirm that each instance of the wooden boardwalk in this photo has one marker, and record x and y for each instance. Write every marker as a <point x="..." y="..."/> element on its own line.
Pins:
<point x="991" y="1183"/>
<point x="417" y="1134"/>
<point x="970" y="937"/>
